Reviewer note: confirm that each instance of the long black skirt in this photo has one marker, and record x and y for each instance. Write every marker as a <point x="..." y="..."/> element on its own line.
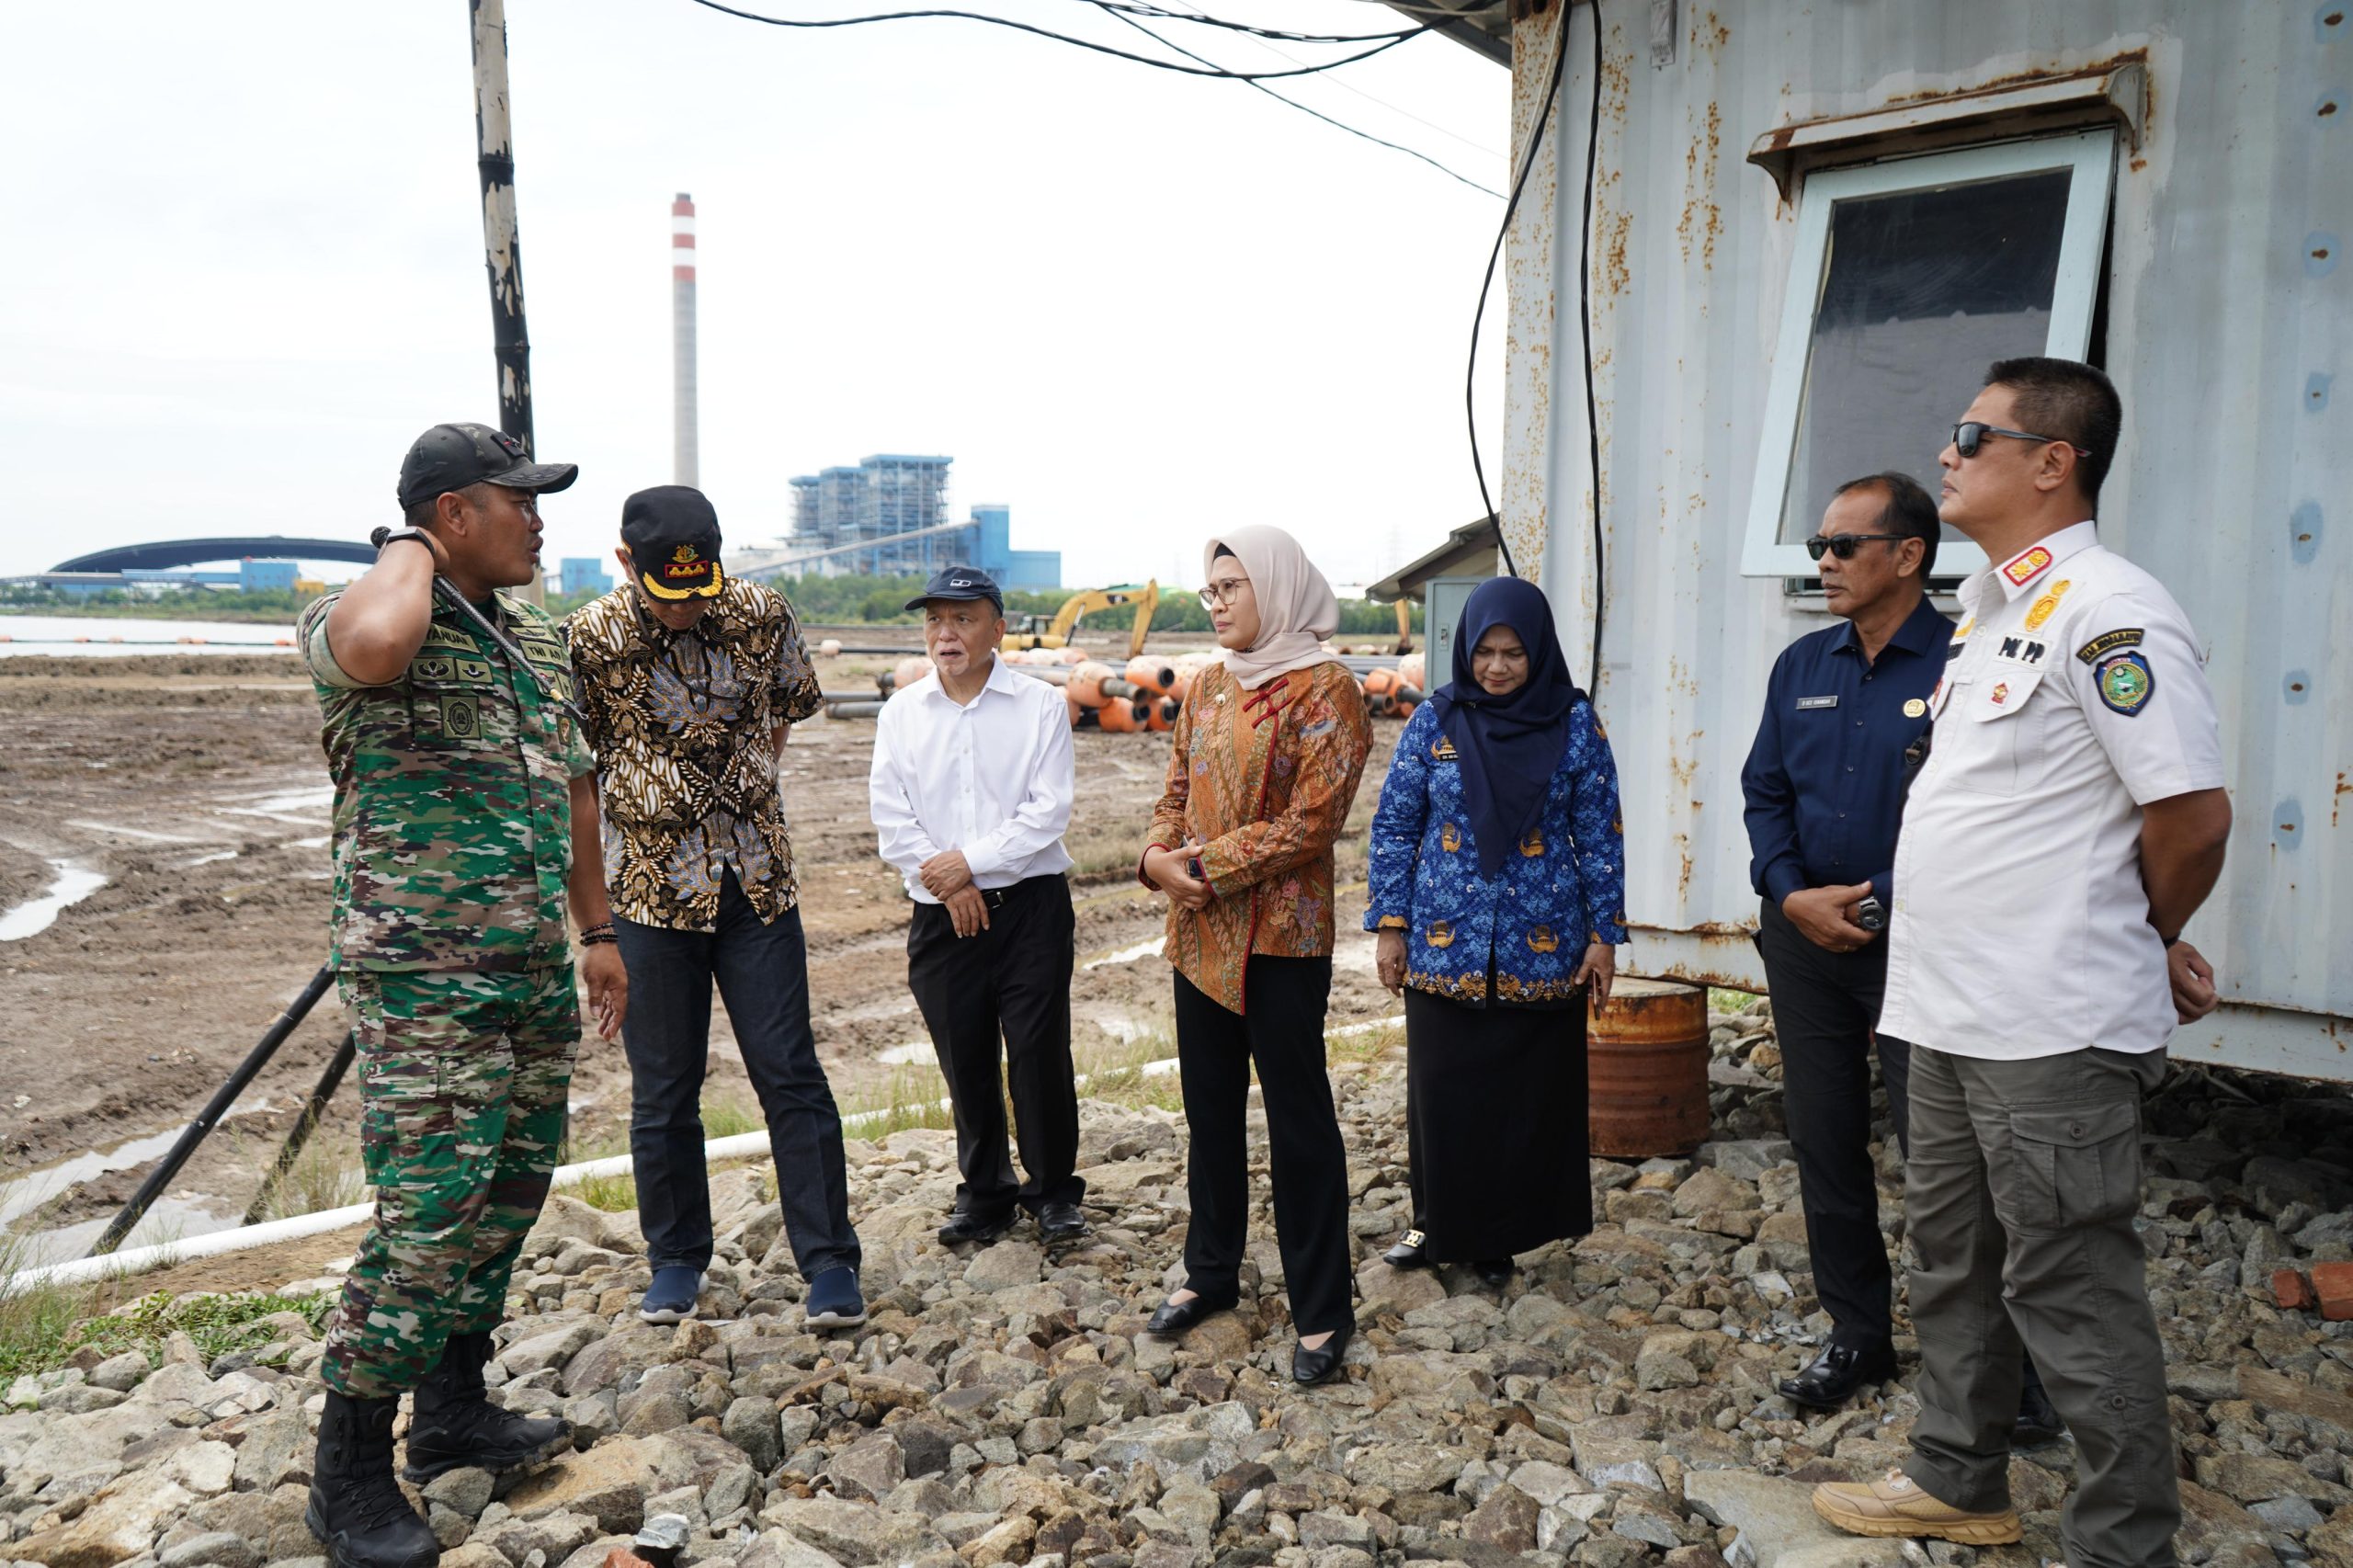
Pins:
<point x="1495" y="1123"/>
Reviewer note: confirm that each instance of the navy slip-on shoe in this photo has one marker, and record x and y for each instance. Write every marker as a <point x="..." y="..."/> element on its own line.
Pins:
<point x="670" y="1297"/>
<point x="833" y="1300"/>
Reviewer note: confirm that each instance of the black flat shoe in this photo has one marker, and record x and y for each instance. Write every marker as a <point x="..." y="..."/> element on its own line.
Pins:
<point x="2037" y="1421"/>
<point x="1321" y="1363"/>
<point x="1496" y="1272"/>
<point x="1412" y="1250"/>
<point x="1839" y="1374"/>
<point x="963" y="1225"/>
<point x="1176" y="1317"/>
<point x="1060" y="1223"/>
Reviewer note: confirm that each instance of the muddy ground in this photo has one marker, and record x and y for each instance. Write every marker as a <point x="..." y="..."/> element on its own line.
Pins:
<point x="196" y="786"/>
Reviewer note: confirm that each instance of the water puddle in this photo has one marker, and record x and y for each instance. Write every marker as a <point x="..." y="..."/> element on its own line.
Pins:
<point x="302" y="807"/>
<point x="1129" y="955"/>
<point x="173" y="1215"/>
<point x="207" y="860"/>
<point x="118" y="831"/>
<point x="74" y="883"/>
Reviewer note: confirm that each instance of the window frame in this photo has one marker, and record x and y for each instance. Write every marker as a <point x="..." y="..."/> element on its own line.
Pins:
<point x="2090" y="158"/>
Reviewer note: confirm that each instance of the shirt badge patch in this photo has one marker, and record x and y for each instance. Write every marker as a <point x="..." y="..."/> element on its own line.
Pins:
<point x="1916" y="708"/>
<point x="1962" y="632"/>
<point x="2023" y="568"/>
<point x="1807" y="702"/>
<point x="2107" y="643"/>
<point x="2001" y="693"/>
<point x="2126" y="683"/>
<point x="1443" y="751"/>
<point x="2047" y="605"/>
<point x="2022" y="651"/>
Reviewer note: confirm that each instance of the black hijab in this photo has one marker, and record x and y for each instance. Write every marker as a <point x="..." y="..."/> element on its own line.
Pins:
<point x="1508" y="746"/>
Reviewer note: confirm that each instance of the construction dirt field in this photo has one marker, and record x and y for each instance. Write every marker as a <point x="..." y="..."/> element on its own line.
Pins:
<point x="195" y="786"/>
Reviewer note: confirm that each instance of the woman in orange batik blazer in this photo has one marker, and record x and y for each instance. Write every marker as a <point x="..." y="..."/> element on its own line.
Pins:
<point x="1268" y="751"/>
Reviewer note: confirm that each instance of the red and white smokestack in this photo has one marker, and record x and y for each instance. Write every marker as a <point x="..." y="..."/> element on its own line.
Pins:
<point x="682" y="336"/>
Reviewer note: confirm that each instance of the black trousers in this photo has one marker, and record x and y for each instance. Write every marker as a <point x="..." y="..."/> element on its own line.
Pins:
<point x="763" y="975"/>
<point x="1282" y="1033"/>
<point x="1009" y="983"/>
<point x="1824" y="1005"/>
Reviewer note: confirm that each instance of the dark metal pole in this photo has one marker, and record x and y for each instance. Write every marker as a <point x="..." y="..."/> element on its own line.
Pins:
<point x="222" y="1099"/>
<point x="502" y="245"/>
<point x="305" y="1124"/>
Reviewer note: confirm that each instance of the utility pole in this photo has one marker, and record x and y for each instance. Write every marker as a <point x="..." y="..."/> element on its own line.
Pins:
<point x="501" y="247"/>
<point x="686" y="465"/>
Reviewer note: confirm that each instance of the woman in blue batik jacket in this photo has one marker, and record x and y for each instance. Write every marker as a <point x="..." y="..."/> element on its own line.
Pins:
<point x="1498" y="891"/>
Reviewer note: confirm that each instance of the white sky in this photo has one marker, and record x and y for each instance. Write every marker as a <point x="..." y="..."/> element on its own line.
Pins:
<point x="1134" y="306"/>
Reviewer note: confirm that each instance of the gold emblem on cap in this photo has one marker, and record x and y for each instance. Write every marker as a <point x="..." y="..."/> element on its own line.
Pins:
<point x="682" y="555"/>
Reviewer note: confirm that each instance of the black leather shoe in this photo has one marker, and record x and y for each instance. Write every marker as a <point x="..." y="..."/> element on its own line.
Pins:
<point x="2037" y="1421"/>
<point x="1322" y="1363"/>
<point x="1060" y="1222"/>
<point x="1496" y="1272"/>
<point x="1412" y="1250"/>
<point x="454" y="1425"/>
<point x="1836" y="1375"/>
<point x="963" y="1225"/>
<point x="1176" y="1317"/>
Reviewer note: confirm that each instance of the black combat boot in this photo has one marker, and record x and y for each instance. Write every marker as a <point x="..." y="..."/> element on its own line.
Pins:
<point x="452" y="1424"/>
<point x="357" y="1508"/>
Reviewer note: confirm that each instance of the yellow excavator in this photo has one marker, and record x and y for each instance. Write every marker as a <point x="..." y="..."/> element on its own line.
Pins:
<point x="1038" y="631"/>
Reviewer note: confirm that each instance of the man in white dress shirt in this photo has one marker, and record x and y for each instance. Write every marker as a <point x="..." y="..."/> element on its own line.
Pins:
<point x="2070" y="820"/>
<point x="971" y="789"/>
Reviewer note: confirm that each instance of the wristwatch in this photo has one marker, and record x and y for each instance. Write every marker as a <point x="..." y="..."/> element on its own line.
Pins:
<point x="396" y="534"/>
<point x="1870" y="914"/>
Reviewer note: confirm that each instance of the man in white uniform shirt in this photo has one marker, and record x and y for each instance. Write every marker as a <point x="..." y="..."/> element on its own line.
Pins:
<point x="2069" y="820"/>
<point x="971" y="790"/>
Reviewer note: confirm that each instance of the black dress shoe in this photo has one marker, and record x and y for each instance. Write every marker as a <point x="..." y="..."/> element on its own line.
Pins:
<point x="1059" y="1222"/>
<point x="1836" y="1375"/>
<point x="1319" y="1365"/>
<point x="963" y="1225"/>
<point x="2037" y="1421"/>
<point x="1495" y="1272"/>
<point x="1176" y="1317"/>
<point x="1412" y="1250"/>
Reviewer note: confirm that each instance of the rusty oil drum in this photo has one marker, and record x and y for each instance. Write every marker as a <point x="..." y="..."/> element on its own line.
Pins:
<point x="1646" y="1065"/>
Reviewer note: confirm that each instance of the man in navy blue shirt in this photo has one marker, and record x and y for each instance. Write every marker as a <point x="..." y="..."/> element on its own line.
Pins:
<point x="1824" y="789"/>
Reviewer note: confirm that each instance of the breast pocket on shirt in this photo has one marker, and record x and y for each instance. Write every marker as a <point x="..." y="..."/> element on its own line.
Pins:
<point x="1996" y="703"/>
<point x="451" y="698"/>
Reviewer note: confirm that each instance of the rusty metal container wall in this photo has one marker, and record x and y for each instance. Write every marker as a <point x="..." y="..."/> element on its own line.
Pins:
<point x="1646" y="1070"/>
<point x="2228" y="321"/>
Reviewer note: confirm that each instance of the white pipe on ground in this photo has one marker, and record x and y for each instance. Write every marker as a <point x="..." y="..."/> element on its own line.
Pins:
<point x="217" y="1244"/>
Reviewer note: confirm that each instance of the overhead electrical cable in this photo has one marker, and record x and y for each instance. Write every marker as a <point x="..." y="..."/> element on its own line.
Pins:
<point x="1387" y="42"/>
<point x="1119" y="13"/>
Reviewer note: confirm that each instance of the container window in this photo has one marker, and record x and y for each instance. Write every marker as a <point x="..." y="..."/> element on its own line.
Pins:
<point x="1909" y="278"/>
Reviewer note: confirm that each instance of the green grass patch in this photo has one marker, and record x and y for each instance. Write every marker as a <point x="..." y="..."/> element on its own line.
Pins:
<point x="42" y="1327"/>
<point x="909" y="1099"/>
<point x="727" y="1113"/>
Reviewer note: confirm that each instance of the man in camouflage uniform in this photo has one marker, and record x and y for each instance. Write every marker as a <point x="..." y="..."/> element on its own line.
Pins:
<point x="463" y="784"/>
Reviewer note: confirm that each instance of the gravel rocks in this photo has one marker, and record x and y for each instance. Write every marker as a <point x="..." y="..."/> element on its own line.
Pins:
<point x="1613" y="1405"/>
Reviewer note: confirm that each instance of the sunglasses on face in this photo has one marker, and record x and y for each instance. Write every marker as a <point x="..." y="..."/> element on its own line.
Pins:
<point x="1969" y="435"/>
<point x="1843" y="546"/>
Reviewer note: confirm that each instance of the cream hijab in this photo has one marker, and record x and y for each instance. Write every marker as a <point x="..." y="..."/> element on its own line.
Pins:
<point x="1296" y="608"/>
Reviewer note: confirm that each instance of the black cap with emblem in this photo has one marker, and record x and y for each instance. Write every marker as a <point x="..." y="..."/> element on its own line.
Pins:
<point x="960" y="583"/>
<point x="671" y="532"/>
<point x="450" y="457"/>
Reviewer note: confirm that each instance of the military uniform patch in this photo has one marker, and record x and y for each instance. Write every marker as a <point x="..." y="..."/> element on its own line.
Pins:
<point x="2126" y="683"/>
<point x="2047" y="605"/>
<point x="460" y="717"/>
<point x="2107" y="643"/>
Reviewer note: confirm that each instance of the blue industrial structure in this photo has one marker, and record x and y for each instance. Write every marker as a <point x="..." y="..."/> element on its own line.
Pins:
<point x="264" y="577"/>
<point x="993" y="552"/>
<point x="584" y="574"/>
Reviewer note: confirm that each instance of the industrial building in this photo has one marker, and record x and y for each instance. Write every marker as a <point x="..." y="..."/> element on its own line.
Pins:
<point x="583" y="575"/>
<point x="888" y="516"/>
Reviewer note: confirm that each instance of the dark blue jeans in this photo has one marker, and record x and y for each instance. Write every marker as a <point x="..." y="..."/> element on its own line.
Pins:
<point x="763" y="975"/>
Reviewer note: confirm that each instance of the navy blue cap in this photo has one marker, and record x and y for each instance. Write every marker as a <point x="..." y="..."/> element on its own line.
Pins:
<point x="960" y="583"/>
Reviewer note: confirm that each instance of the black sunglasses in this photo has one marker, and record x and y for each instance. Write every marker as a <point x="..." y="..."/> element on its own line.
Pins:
<point x="1969" y="435"/>
<point x="1843" y="546"/>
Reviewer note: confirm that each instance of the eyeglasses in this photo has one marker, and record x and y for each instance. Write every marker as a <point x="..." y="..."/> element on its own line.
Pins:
<point x="1969" y="435"/>
<point x="1225" y="593"/>
<point x="1843" y="546"/>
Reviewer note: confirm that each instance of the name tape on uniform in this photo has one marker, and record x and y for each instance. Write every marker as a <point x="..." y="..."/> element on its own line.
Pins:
<point x="2107" y="643"/>
<point x="1806" y="702"/>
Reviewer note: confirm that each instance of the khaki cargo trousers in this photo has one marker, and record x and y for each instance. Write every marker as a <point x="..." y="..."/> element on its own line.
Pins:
<point x="2019" y="1194"/>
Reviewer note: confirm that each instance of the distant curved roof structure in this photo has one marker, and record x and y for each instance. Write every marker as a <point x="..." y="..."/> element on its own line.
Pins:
<point x="165" y="554"/>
